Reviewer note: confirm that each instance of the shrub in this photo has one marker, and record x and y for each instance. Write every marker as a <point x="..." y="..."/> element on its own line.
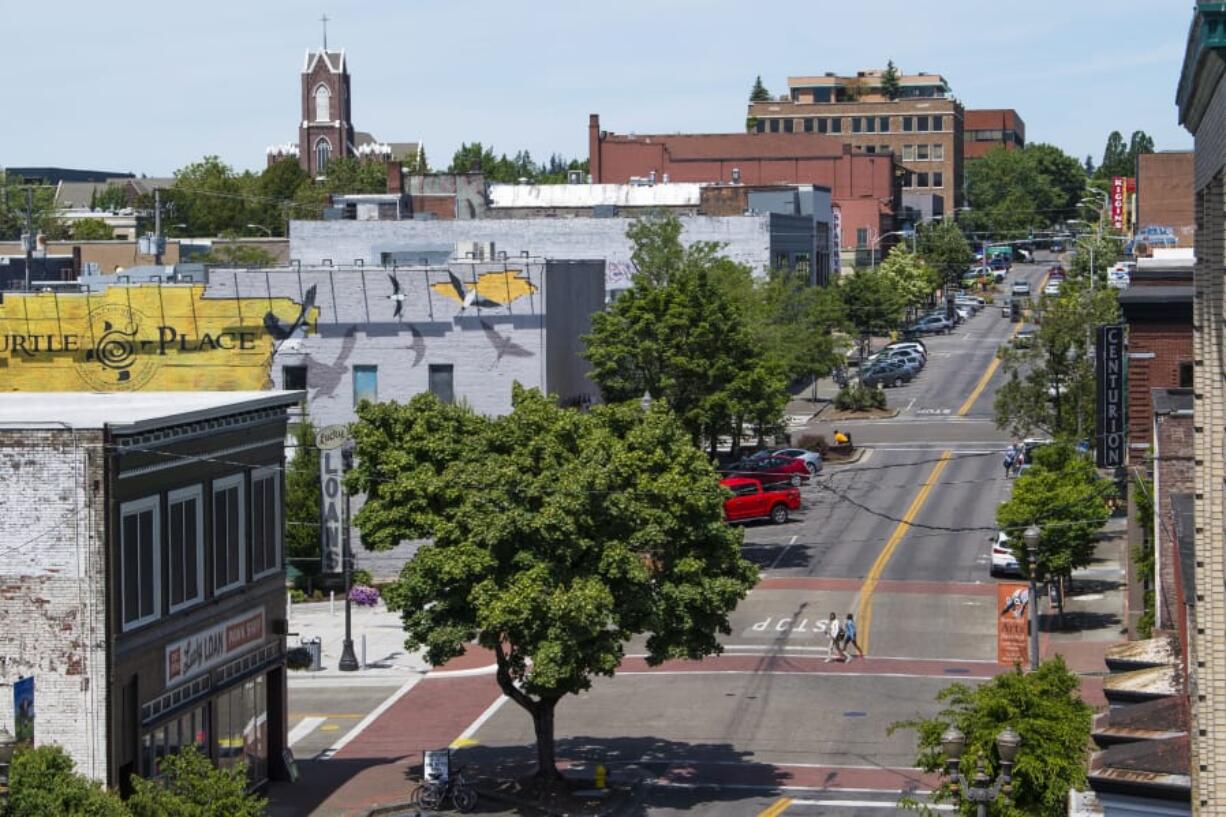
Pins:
<point x="811" y="441"/>
<point x="859" y="398"/>
<point x="297" y="596"/>
<point x="298" y="658"/>
<point x="44" y="781"/>
<point x="191" y="787"/>
<point x="359" y="576"/>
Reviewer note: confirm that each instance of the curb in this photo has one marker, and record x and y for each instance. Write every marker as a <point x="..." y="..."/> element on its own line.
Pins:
<point x="827" y="415"/>
<point x="855" y="457"/>
<point x="379" y="811"/>
<point x="520" y="802"/>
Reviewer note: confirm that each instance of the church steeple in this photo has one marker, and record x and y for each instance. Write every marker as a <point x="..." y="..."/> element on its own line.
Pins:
<point x="326" y="129"/>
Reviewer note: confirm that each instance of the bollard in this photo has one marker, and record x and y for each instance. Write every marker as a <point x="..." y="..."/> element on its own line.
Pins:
<point x="331" y="602"/>
<point x="601" y="774"/>
<point x="363" y="650"/>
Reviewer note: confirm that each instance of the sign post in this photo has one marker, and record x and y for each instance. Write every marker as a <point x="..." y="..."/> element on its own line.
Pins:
<point x="1109" y="372"/>
<point x="335" y="458"/>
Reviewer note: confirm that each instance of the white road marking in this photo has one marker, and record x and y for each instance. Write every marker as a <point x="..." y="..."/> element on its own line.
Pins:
<point x="481" y="719"/>
<point x="866" y="804"/>
<point x="909" y="405"/>
<point x="670" y="784"/>
<point x="371" y="717"/>
<point x="305" y="727"/>
<point x="1088" y="597"/>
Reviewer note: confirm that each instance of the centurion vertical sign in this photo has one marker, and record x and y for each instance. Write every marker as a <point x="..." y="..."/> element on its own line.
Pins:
<point x="1109" y="370"/>
<point x="330" y="440"/>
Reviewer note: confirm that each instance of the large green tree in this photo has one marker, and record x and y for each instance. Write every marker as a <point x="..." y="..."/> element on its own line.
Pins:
<point x="681" y="335"/>
<point x="1050" y="386"/>
<point x="556" y="536"/>
<point x="943" y="247"/>
<point x="207" y="197"/>
<point x="914" y="280"/>
<point x="890" y="85"/>
<point x="874" y="303"/>
<point x="1046" y="710"/>
<point x="473" y="157"/>
<point x="1013" y="192"/>
<point x="92" y="229"/>
<point x="44" y="781"/>
<point x="1120" y="159"/>
<point x="1062" y="494"/>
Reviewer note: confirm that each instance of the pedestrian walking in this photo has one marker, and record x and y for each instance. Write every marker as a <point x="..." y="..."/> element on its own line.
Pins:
<point x="849" y="637"/>
<point x="1010" y="456"/>
<point x="1019" y="460"/>
<point x="834" y="636"/>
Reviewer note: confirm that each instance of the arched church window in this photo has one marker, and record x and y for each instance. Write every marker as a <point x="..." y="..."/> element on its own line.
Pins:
<point x="323" y="152"/>
<point x="323" y="104"/>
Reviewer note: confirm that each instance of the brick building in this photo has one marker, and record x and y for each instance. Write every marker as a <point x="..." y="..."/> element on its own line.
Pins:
<point x="987" y="128"/>
<point x="143" y="586"/>
<point x="1202" y="110"/>
<point x="922" y="126"/>
<point x="1164" y="195"/>
<point x="866" y="191"/>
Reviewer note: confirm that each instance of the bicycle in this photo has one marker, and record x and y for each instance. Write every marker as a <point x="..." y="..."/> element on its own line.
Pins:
<point x="431" y="794"/>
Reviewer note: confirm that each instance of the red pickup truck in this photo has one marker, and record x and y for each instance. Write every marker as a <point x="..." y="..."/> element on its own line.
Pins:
<point x="751" y="500"/>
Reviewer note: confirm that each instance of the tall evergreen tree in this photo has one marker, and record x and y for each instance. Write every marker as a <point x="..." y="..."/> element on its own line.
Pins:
<point x="889" y="81"/>
<point x="759" y="92"/>
<point x="303" y="501"/>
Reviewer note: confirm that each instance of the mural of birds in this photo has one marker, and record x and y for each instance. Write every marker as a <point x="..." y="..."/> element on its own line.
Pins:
<point x="469" y="297"/>
<point x="278" y="330"/>
<point x="417" y="347"/>
<point x="397" y="295"/>
<point x="326" y="377"/>
<point x="503" y="345"/>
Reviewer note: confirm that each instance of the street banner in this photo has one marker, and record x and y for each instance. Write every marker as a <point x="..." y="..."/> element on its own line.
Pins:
<point x="1013" y="624"/>
<point x="23" y="711"/>
<point x="1110" y="436"/>
<point x="330" y="440"/>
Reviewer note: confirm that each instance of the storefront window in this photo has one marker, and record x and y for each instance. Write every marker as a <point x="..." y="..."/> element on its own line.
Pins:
<point x="186" y="730"/>
<point x="242" y="723"/>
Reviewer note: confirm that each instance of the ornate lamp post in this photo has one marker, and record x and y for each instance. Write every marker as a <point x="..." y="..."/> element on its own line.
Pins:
<point x="1030" y="537"/>
<point x="981" y="789"/>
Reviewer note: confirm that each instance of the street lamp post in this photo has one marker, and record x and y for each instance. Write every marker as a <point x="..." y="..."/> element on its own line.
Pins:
<point x="1030" y="537"/>
<point x="349" y="661"/>
<point x="267" y="231"/>
<point x="7" y="744"/>
<point x="876" y="242"/>
<point x="981" y="789"/>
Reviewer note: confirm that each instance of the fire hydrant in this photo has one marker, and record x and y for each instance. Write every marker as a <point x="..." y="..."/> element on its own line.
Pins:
<point x="601" y="774"/>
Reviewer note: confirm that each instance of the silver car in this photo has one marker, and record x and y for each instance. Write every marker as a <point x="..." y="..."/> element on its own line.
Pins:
<point x="811" y="459"/>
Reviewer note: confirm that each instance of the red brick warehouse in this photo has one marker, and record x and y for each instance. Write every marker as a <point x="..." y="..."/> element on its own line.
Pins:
<point x="865" y="187"/>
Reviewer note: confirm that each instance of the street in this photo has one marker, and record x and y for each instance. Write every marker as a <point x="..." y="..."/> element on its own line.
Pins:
<point x="898" y="538"/>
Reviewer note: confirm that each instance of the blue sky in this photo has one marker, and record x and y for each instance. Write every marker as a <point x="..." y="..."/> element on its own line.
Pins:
<point x="150" y="86"/>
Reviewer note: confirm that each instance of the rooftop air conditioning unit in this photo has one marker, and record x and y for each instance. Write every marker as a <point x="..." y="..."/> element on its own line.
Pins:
<point x="574" y="177"/>
<point x="736" y="175"/>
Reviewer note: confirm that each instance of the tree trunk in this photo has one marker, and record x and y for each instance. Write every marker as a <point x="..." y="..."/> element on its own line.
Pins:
<point x="542" y="722"/>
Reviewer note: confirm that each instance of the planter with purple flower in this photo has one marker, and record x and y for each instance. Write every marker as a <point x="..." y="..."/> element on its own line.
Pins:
<point x="364" y="596"/>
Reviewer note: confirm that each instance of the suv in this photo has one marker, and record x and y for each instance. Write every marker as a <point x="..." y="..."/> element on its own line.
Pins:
<point x="1020" y="288"/>
<point x="933" y="324"/>
<point x="752" y="500"/>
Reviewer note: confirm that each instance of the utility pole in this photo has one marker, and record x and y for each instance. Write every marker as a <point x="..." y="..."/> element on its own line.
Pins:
<point x="29" y="237"/>
<point x="157" y="226"/>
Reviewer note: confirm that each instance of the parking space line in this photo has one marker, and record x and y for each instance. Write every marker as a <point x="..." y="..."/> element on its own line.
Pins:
<point x="864" y="610"/>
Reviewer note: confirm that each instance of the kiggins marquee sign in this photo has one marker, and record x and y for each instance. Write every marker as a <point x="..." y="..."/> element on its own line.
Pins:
<point x="130" y="338"/>
<point x="1110" y="432"/>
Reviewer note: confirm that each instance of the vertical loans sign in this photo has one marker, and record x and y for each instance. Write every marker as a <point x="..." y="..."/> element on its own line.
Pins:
<point x="1110" y="434"/>
<point x="330" y="440"/>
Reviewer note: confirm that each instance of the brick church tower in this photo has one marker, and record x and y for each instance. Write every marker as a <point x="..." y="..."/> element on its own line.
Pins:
<point x="326" y="131"/>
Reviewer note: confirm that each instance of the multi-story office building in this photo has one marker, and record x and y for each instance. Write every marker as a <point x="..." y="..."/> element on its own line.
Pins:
<point x="987" y="128"/>
<point x="921" y="123"/>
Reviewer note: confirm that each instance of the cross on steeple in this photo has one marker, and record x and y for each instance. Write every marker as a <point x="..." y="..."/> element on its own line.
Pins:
<point x="324" y="20"/>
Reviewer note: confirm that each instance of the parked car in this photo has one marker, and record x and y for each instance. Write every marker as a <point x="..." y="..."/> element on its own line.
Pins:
<point x="910" y="355"/>
<point x="752" y="500"/>
<point x="887" y="373"/>
<point x="1055" y="273"/>
<point x="917" y="345"/>
<point x="1003" y="559"/>
<point x="970" y="298"/>
<point x="1020" y="288"/>
<point x="770" y="469"/>
<point x="811" y="459"/>
<point x="1024" y="339"/>
<point x="999" y="262"/>
<point x="931" y="325"/>
<point x="1057" y="246"/>
<point x="1052" y="288"/>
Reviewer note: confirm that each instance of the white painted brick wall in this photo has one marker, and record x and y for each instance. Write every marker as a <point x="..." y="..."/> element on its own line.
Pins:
<point x="52" y="587"/>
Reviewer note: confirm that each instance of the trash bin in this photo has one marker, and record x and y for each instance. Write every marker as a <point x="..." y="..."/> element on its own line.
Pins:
<point x="316" y="647"/>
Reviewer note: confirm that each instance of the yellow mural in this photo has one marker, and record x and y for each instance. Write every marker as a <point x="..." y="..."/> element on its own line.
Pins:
<point x="150" y="337"/>
<point x="492" y="289"/>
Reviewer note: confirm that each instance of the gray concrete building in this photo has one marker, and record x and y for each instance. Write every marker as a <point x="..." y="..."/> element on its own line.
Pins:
<point x="758" y="240"/>
<point x="465" y="331"/>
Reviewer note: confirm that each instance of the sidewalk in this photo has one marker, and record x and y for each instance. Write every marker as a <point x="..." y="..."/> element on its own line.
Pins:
<point x="1095" y="612"/>
<point x="387" y="661"/>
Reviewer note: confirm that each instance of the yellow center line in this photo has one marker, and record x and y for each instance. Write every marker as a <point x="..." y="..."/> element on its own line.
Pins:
<point x="994" y="365"/>
<point x="776" y="808"/>
<point x="864" y="613"/>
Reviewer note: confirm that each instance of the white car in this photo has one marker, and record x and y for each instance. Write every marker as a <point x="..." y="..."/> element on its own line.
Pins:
<point x="1020" y="288"/>
<point x="811" y="459"/>
<point x="1003" y="560"/>
<point x="911" y="345"/>
<point x="1052" y="288"/>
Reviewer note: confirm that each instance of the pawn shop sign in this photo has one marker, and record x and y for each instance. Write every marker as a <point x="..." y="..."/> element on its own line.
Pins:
<point x="329" y="440"/>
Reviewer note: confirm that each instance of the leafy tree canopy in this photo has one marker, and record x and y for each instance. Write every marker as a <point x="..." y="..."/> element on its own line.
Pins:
<point x="915" y="280"/>
<point x="874" y="303"/>
<point x="44" y="781"/>
<point x="945" y="249"/>
<point x="192" y="787"/>
<point x="556" y="536"/>
<point x="1045" y="709"/>
<point x="303" y="499"/>
<point x="1120" y="159"/>
<point x="92" y="229"/>
<point x="1013" y="192"/>
<point x="474" y="157"/>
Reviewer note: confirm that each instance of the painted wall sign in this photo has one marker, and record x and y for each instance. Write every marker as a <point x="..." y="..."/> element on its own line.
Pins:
<point x="23" y="711"/>
<point x="201" y="651"/>
<point x="128" y="338"/>
<point x="1013" y="623"/>
<point x="1110" y="432"/>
